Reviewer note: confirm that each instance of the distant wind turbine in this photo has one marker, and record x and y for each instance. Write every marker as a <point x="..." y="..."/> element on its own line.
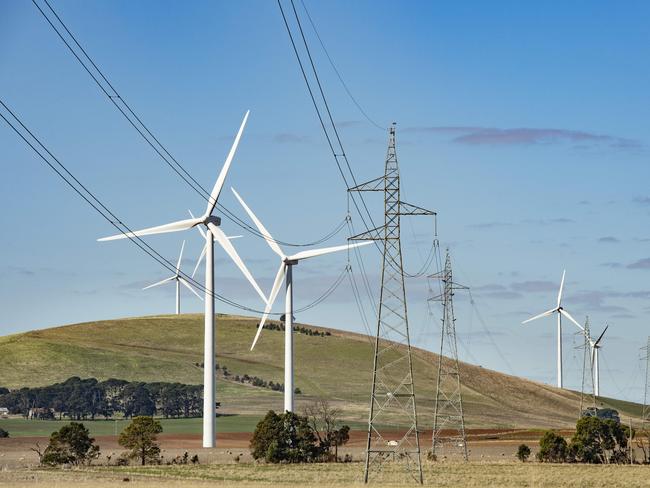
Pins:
<point x="212" y="233"/>
<point x="179" y="281"/>
<point x="286" y="272"/>
<point x="595" y="347"/>
<point x="560" y="311"/>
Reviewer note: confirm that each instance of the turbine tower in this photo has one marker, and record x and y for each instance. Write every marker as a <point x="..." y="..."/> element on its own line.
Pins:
<point x="179" y="281"/>
<point x="448" y="412"/>
<point x="213" y="233"/>
<point x="285" y="273"/>
<point x="560" y="311"/>
<point x="392" y="397"/>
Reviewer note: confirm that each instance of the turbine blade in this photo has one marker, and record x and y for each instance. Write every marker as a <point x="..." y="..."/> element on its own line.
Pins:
<point x="221" y="238"/>
<point x="189" y="287"/>
<point x="325" y="250"/>
<point x="161" y="282"/>
<point x="180" y="257"/>
<point x="559" y="295"/>
<point x="265" y="233"/>
<point x="279" y="278"/>
<point x="544" y="314"/>
<point x="216" y="191"/>
<point x="198" y="263"/>
<point x="568" y="316"/>
<point x="600" y="337"/>
<point x="233" y="237"/>
<point x="198" y="227"/>
<point x="160" y="229"/>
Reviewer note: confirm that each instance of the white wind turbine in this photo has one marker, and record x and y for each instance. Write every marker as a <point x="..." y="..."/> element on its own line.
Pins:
<point x="286" y="272"/>
<point x="213" y="233"/>
<point x="560" y="311"/>
<point x="179" y="281"/>
<point x="595" y="346"/>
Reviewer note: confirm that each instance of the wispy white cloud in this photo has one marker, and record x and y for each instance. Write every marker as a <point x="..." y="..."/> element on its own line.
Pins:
<point x="494" y="136"/>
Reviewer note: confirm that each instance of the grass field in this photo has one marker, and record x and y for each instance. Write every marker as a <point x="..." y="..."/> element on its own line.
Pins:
<point x="38" y="428"/>
<point x="505" y="474"/>
<point x="167" y="348"/>
<point x="19" y="427"/>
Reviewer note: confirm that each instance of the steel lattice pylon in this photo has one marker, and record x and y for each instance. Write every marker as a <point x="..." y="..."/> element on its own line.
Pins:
<point x="645" y="421"/>
<point x="448" y="418"/>
<point x="587" y="388"/>
<point x="392" y="400"/>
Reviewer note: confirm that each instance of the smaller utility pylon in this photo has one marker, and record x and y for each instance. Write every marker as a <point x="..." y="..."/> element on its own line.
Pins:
<point x="645" y="415"/>
<point x="448" y="417"/>
<point x="587" y="388"/>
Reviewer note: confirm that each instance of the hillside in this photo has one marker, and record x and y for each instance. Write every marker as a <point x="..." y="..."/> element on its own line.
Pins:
<point x="337" y="366"/>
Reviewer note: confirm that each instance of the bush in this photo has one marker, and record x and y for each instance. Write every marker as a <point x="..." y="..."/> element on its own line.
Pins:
<point x="71" y="444"/>
<point x="552" y="448"/>
<point x="284" y="438"/>
<point x="3" y="433"/>
<point x="523" y="453"/>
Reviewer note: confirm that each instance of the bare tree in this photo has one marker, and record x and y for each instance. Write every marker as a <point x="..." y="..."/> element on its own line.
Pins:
<point x="325" y="421"/>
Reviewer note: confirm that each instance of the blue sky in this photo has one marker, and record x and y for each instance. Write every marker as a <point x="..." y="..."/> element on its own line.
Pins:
<point x="525" y="126"/>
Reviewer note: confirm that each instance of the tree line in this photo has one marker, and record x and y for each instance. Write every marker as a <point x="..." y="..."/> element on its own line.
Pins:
<point x="80" y="399"/>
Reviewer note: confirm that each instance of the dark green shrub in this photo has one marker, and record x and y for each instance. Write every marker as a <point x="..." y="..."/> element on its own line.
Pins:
<point x="284" y="438"/>
<point x="71" y="444"/>
<point x="553" y="448"/>
<point x="3" y="433"/>
<point x="523" y="453"/>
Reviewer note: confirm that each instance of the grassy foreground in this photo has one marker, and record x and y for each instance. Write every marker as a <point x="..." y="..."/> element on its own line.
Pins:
<point x="339" y="475"/>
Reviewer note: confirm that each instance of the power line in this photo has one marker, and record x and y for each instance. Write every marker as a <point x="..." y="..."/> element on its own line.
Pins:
<point x="338" y="74"/>
<point x="102" y="209"/>
<point x="320" y="117"/>
<point x="136" y="122"/>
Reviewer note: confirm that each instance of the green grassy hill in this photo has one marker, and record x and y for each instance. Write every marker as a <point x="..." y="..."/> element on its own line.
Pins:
<point x="167" y="348"/>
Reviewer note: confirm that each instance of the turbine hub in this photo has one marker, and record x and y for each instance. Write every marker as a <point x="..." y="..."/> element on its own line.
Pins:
<point x="212" y="219"/>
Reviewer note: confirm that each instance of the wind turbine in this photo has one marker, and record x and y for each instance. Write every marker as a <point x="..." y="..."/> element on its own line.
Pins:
<point x="285" y="272"/>
<point x="212" y="233"/>
<point x="179" y="281"/>
<point x="595" y="346"/>
<point x="560" y="311"/>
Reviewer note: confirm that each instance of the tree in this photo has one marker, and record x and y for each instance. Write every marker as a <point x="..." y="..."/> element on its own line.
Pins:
<point x="140" y="437"/>
<point x="552" y="448"/>
<point x="599" y="441"/>
<point x="284" y="438"/>
<point x="523" y="453"/>
<point x="137" y="401"/>
<point x="71" y="444"/>
<point x="326" y="423"/>
<point x="341" y="437"/>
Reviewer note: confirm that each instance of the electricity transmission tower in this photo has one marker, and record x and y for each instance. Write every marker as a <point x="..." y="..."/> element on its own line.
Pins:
<point x="392" y="422"/>
<point x="645" y="421"/>
<point x="448" y="418"/>
<point x="587" y="387"/>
